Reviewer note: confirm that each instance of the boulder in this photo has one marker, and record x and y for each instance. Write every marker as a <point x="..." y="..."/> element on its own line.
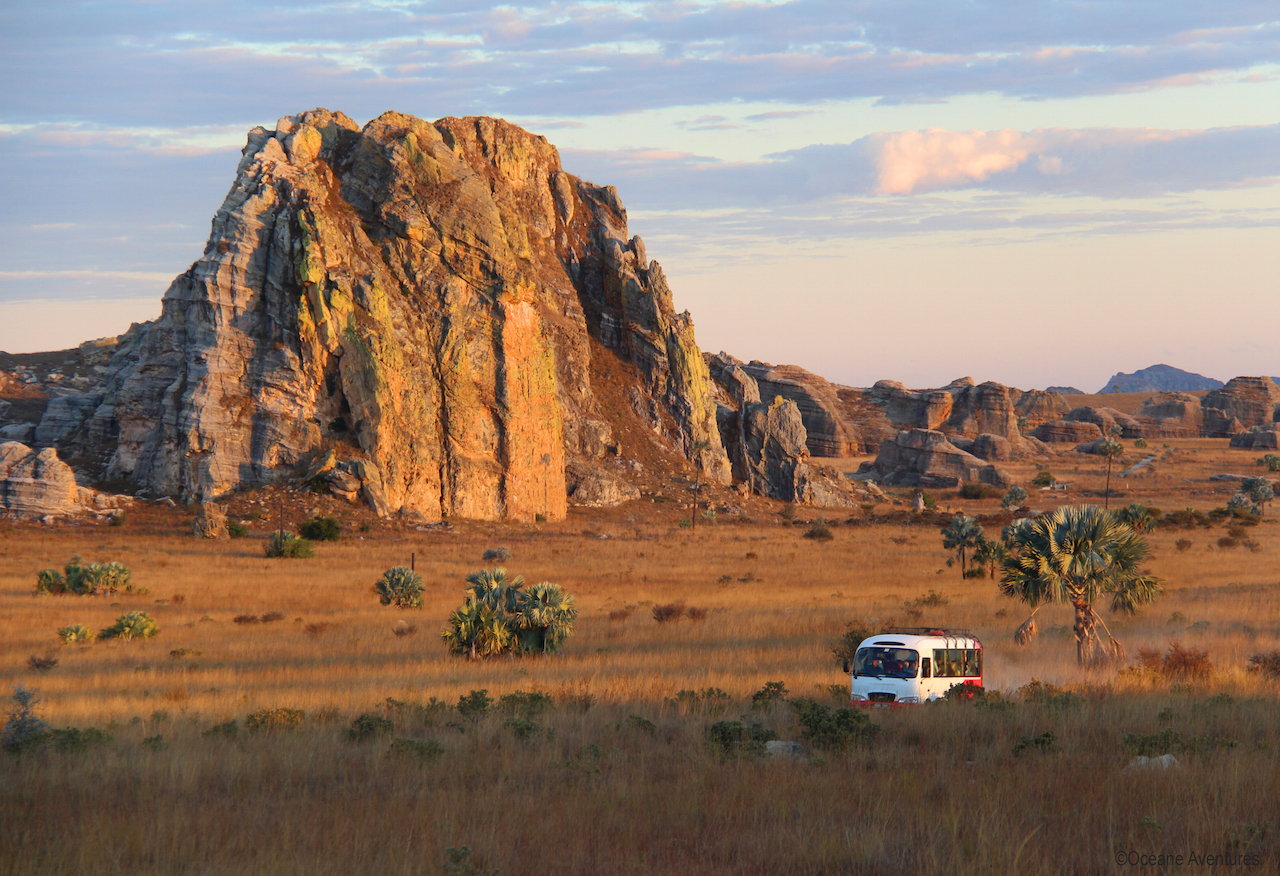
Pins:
<point x="992" y="448"/>
<point x="1243" y="403"/>
<point x="211" y="522"/>
<point x="1066" y="432"/>
<point x="1258" y="438"/>
<point x="343" y="484"/>
<point x="37" y="485"/>
<point x="917" y="408"/>
<point x="925" y="458"/>
<point x="592" y="487"/>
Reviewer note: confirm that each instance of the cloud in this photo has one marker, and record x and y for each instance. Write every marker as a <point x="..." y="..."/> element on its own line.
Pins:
<point x="122" y="64"/>
<point x="943" y="159"/>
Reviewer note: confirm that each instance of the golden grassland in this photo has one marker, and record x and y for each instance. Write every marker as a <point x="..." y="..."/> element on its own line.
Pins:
<point x="592" y="791"/>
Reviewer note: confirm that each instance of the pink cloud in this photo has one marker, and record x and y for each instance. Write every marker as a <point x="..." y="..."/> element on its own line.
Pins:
<point x="935" y="158"/>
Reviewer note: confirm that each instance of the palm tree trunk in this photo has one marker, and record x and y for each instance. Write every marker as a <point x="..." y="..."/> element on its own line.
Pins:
<point x="1106" y="501"/>
<point x="1084" y="632"/>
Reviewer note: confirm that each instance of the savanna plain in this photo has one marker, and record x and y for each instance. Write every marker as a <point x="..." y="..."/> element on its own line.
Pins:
<point x="605" y="758"/>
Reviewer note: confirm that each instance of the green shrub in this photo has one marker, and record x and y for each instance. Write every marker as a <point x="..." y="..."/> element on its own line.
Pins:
<point x="1014" y="498"/>
<point x="1043" y="479"/>
<point x="72" y="739"/>
<point x="772" y="692"/>
<point x="1267" y="663"/>
<point x="1271" y="462"/>
<point x="76" y="633"/>
<point x="498" y="555"/>
<point x="475" y="705"/>
<point x="236" y="529"/>
<point x="274" y="719"/>
<point x="1044" y="742"/>
<point x="834" y="730"/>
<point x="23" y="730"/>
<point x="320" y="529"/>
<point x="643" y="724"/>
<point x="525" y="705"/>
<point x="1153" y="744"/>
<point x="819" y="531"/>
<point x="977" y="490"/>
<point x="94" y="579"/>
<point x="132" y="625"/>
<point x="745" y="738"/>
<point x="500" y="617"/>
<point x="521" y="728"/>
<point x="229" y="730"/>
<point x="853" y="636"/>
<point x="1140" y="443"/>
<point x="286" y="545"/>
<point x="369" y="726"/>
<point x="400" y="586"/>
<point x="424" y="750"/>
<point x="963" y="692"/>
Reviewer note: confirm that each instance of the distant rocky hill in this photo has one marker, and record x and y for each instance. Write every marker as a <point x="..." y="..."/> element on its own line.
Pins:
<point x="1065" y="390"/>
<point x="1160" y="378"/>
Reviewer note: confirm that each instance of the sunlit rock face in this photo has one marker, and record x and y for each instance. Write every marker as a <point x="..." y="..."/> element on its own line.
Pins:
<point x="433" y="298"/>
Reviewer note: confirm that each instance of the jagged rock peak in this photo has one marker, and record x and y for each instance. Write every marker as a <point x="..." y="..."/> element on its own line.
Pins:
<point x="433" y="298"/>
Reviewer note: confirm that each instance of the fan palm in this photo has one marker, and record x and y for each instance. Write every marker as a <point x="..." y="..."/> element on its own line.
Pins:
<point x="477" y="630"/>
<point x="546" y="617"/>
<point x="1077" y="555"/>
<point x="493" y="588"/>
<point x="1112" y="450"/>
<point x="960" y="535"/>
<point x="990" y="554"/>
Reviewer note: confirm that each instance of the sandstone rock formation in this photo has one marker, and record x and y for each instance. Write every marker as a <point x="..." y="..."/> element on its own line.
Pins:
<point x="925" y="458"/>
<point x="768" y="445"/>
<point x="1066" y="432"/>
<point x="592" y="487"/>
<point x="1258" y="438"/>
<point x="1036" y="406"/>
<point x="437" y="298"/>
<point x="1243" y="403"/>
<point x="1107" y="419"/>
<point x="1172" y="415"/>
<point x="37" y="485"/>
<point x="211" y="522"/>
<point x="829" y="433"/>
<point x="960" y="408"/>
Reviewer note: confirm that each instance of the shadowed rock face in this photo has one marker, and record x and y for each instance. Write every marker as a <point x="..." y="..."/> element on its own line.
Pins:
<point x="925" y="458"/>
<point x="432" y="295"/>
<point x="1040" y="406"/>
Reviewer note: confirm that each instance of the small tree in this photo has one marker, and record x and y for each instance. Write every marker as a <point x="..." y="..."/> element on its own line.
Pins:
<point x="400" y="586"/>
<point x="23" y="729"/>
<point x="990" y="554"/>
<point x="546" y="617"/>
<point x="1137" y="516"/>
<point x="962" y="534"/>
<point x="1259" y="490"/>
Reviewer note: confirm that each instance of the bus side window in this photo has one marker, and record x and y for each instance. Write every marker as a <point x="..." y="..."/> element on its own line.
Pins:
<point x="924" y="667"/>
<point x="977" y="663"/>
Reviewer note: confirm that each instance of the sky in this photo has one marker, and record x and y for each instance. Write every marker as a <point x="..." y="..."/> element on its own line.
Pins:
<point x="1038" y="193"/>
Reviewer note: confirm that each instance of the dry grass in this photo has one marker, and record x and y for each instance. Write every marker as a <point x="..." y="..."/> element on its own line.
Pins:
<point x="941" y="791"/>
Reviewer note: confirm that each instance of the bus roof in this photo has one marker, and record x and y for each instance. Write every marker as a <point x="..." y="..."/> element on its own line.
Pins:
<point x="917" y="639"/>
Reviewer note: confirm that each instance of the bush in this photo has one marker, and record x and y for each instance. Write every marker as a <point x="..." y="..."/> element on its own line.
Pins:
<point x="522" y="728"/>
<point x="368" y="726"/>
<point x="1179" y="663"/>
<point x="932" y="599"/>
<point x="236" y="529"/>
<point x="400" y="586"/>
<point x="835" y="730"/>
<point x="1187" y="517"/>
<point x="76" y="633"/>
<point x="847" y="646"/>
<point x="745" y="738"/>
<point x="274" y="719"/>
<point x="1271" y="462"/>
<point x="670" y="612"/>
<point x="1267" y="664"/>
<point x="525" y="705"/>
<point x="475" y="705"/>
<point x="24" y="730"/>
<point x="976" y="490"/>
<point x="42" y="664"/>
<point x="819" y="531"/>
<point x="963" y="692"/>
<point x="423" y="750"/>
<point x="1182" y="544"/>
<point x="1014" y="498"/>
<point x="73" y="739"/>
<point x="94" y="579"/>
<point x="1042" y="479"/>
<point x="286" y="545"/>
<point x="1140" y="443"/>
<point x="1044" y="742"/>
<point x="501" y="617"/>
<point x="320" y="529"/>
<point x="500" y="554"/>
<point x="772" y="692"/>
<point x="132" y="625"/>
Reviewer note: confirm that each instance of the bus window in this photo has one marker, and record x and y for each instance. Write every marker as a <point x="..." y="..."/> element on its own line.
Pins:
<point x="957" y="663"/>
<point x="924" y="667"/>
<point x="886" y="662"/>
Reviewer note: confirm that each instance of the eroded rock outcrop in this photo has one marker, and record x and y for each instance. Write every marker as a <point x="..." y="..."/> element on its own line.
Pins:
<point x="1173" y="415"/>
<point x="1258" y="438"/>
<point x="925" y="458"/>
<point x="1066" y="432"/>
<point x="37" y="485"/>
<point x="1243" y="403"/>
<point x="1037" y="406"/>
<point x="768" y="445"/>
<point x="435" y="295"/>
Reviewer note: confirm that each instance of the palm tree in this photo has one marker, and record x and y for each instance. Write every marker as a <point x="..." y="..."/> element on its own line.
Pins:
<point x="1137" y="516"/>
<point x="963" y="533"/>
<point x="492" y="587"/>
<point x="990" y="554"/>
<point x="1076" y="555"/>
<point x="477" y="630"/>
<point x="546" y="617"/>
<point x="1111" y="449"/>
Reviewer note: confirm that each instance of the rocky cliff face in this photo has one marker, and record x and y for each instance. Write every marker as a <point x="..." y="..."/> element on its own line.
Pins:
<point x="1243" y="403"/>
<point x="434" y="298"/>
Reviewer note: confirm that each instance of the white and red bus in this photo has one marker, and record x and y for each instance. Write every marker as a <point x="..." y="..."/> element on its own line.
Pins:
<point x="913" y="666"/>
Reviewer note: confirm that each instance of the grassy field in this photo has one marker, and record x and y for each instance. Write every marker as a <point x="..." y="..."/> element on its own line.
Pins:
<point x="617" y="775"/>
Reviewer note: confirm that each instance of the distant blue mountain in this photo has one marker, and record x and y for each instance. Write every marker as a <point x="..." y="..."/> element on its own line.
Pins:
<point x="1160" y="378"/>
<point x="1065" y="390"/>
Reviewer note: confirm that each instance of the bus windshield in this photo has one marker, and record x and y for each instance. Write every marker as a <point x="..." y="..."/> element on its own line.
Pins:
<point x="886" y="662"/>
